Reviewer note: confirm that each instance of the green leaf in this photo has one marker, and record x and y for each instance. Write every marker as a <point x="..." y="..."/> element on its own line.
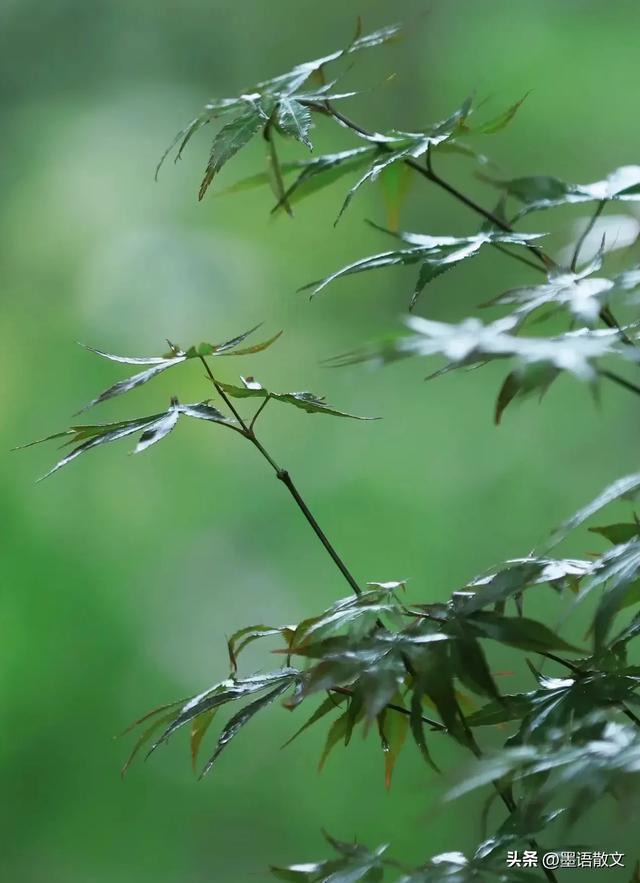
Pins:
<point x="618" y="533"/>
<point x="601" y="758"/>
<point x="523" y="381"/>
<point x="382" y="162"/>
<point x="623" y="488"/>
<point x="618" y="645"/>
<point x="434" y="675"/>
<point x="454" y="867"/>
<point x="395" y="182"/>
<point x="518" y="828"/>
<point x="176" y="356"/>
<point x="332" y="702"/>
<point x="509" y="708"/>
<point x="323" y="171"/>
<point x="290" y="874"/>
<point x="245" y="636"/>
<point x="519" y="574"/>
<point x="520" y="632"/>
<point x="543" y="192"/>
<point x="336" y="734"/>
<point x="182" y="138"/>
<point x="260" y="179"/>
<point x="158" y="367"/>
<point x="307" y="401"/>
<point x="582" y="294"/>
<point x="619" y="571"/>
<point x="397" y="147"/>
<point x="222" y="693"/>
<point x="357" y="615"/>
<point x="354" y="863"/>
<point x="213" y="109"/>
<point x="147" y="734"/>
<point x="101" y="435"/>
<point x="294" y="120"/>
<point x="158" y="430"/>
<point x="394" y="728"/>
<point x="151" y="714"/>
<point x="254" y="106"/>
<point x="435" y="254"/>
<point x="239" y="720"/>
<point x="153" y="429"/>
<point x="199" y="727"/>
<point x="373" y="667"/>
<point x="470" y="665"/>
<point x="472" y="343"/>
<point x="505" y="584"/>
<point x="290" y="82"/>
<point x="227" y="350"/>
<point x="354" y="713"/>
<point x="499" y="122"/>
<point x="417" y="724"/>
<point x="617" y="597"/>
<point x="230" y="139"/>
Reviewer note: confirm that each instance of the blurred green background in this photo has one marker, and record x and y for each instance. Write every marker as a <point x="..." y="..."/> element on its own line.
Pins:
<point x="122" y="577"/>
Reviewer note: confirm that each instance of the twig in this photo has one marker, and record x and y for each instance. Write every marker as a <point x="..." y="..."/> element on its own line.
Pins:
<point x="264" y="404"/>
<point x="565" y="662"/>
<point x="585" y="233"/>
<point x="434" y="724"/>
<point x="248" y="432"/>
<point x="428" y="173"/>
<point x="621" y="381"/>
<point x="225" y="398"/>
<point x="630" y="714"/>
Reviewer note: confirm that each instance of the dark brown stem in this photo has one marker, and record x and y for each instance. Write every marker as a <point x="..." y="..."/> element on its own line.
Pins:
<point x="564" y="662"/>
<point x="286" y="479"/>
<point x="248" y="432"/>
<point x="277" y="170"/>
<point x="259" y="411"/>
<point x="630" y="714"/>
<point x="435" y="725"/>
<point x="621" y="381"/>
<point x="517" y="257"/>
<point x="225" y="398"/>
<point x="585" y="233"/>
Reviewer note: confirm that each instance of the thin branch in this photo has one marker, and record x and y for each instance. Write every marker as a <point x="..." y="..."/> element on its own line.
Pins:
<point x="434" y="724"/>
<point x="585" y="233"/>
<point x="286" y="479"/>
<point x="225" y="398"/>
<point x="607" y="317"/>
<point x="248" y="432"/>
<point x="517" y="257"/>
<point x="630" y="714"/>
<point x="621" y="381"/>
<point x="564" y="662"/>
<point x="428" y="173"/>
<point x="277" y="170"/>
<point x="264" y="404"/>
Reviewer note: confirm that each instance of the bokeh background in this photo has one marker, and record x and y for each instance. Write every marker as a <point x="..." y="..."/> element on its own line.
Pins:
<point x="123" y="576"/>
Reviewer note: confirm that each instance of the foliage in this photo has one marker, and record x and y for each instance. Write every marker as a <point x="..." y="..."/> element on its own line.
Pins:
<point x="376" y="661"/>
